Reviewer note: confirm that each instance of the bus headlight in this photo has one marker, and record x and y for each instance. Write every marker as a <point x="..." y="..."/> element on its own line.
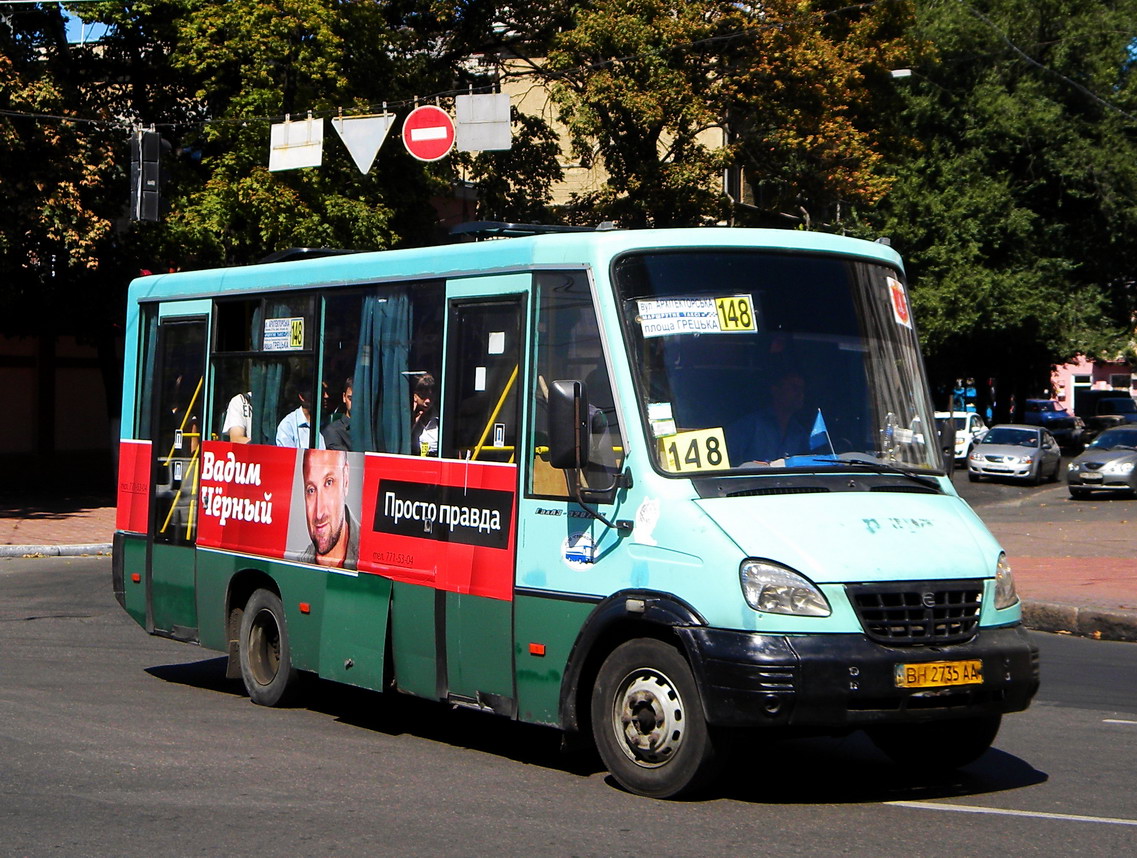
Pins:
<point x="1005" y="594"/>
<point x="774" y="589"/>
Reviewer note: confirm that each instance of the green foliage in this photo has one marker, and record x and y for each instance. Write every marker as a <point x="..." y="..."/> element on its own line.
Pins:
<point x="633" y="97"/>
<point x="55" y="223"/>
<point x="1016" y="185"/>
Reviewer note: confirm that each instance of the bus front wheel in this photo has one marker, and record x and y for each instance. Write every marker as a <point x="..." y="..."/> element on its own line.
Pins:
<point x="648" y="722"/>
<point x="266" y="660"/>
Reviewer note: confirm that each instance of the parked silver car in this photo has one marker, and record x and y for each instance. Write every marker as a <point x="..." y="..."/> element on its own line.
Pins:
<point x="1017" y="451"/>
<point x="1108" y="464"/>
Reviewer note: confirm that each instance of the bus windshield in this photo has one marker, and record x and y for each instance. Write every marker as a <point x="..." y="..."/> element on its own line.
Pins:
<point x="750" y="360"/>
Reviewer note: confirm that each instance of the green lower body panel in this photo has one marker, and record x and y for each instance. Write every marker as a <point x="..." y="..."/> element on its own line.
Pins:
<point x="479" y="660"/>
<point x="172" y="586"/>
<point x="134" y="565"/>
<point x="336" y="623"/>
<point x="413" y="645"/>
<point x="508" y="655"/>
<point x="219" y="574"/>
<point x="354" y="629"/>
<point x="546" y="629"/>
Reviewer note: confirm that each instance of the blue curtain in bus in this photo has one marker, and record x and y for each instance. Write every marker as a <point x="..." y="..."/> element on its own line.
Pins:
<point x="265" y="381"/>
<point x="380" y="411"/>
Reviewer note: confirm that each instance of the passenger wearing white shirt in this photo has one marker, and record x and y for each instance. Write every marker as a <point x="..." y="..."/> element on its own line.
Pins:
<point x="295" y="430"/>
<point x="238" y="422"/>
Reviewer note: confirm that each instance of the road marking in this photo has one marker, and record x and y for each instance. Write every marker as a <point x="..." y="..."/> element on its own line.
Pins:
<point x="996" y="811"/>
<point x="1117" y="721"/>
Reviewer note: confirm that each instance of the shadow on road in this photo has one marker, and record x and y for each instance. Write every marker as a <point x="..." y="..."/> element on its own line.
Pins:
<point x="54" y="508"/>
<point x="850" y="770"/>
<point x="772" y="770"/>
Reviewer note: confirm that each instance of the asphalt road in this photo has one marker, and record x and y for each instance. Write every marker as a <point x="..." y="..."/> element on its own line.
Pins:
<point x="116" y="743"/>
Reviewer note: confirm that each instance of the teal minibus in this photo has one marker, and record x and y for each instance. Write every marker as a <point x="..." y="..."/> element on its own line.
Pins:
<point x="665" y="490"/>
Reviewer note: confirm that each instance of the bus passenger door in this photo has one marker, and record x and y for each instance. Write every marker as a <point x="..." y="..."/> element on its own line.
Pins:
<point x="178" y="402"/>
<point x="481" y="426"/>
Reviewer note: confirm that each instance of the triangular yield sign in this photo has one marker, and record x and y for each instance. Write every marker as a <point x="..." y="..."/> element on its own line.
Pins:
<point x="363" y="135"/>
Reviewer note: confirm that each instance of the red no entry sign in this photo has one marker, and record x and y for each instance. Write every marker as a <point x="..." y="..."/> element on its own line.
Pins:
<point x="428" y="133"/>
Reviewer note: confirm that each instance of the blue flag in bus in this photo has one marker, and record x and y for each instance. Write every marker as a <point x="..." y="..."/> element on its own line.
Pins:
<point x="819" y="437"/>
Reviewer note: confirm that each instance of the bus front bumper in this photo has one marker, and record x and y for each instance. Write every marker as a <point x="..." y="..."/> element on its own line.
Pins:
<point x="845" y="681"/>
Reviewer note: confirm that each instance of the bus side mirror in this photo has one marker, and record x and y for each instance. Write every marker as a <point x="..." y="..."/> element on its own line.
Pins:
<point x="947" y="444"/>
<point x="570" y="430"/>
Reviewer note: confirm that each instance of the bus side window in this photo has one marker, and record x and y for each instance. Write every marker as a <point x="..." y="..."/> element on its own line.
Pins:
<point x="569" y="347"/>
<point x="398" y="339"/>
<point x="263" y="367"/>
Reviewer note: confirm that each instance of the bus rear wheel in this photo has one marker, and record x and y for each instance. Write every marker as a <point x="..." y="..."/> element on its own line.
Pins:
<point x="648" y="722"/>
<point x="266" y="659"/>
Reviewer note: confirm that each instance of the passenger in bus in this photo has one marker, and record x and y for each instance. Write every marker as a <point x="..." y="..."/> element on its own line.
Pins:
<point x="238" y="421"/>
<point x="424" y="418"/>
<point x="332" y="526"/>
<point x="295" y="429"/>
<point x="775" y="430"/>
<point x="337" y="434"/>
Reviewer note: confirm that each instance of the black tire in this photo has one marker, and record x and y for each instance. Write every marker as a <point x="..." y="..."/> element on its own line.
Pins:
<point x="972" y="477"/>
<point x="648" y="721"/>
<point x="266" y="658"/>
<point x="1079" y="494"/>
<point x="1035" y="479"/>
<point x="938" y="745"/>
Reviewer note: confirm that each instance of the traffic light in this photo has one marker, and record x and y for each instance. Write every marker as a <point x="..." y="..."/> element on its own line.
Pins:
<point x="145" y="178"/>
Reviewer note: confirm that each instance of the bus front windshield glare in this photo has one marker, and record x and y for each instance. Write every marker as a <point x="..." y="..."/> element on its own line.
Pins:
<point x="748" y="360"/>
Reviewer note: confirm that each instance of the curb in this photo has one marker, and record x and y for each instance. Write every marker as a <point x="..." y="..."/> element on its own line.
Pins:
<point x="1096" y="623"/>
<point x="54" y="550"/>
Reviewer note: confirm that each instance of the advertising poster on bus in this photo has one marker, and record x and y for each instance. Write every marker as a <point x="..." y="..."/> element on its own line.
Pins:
<point x="442" y="523"/>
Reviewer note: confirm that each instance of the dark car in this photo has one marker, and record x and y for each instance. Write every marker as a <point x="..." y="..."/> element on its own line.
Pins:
<point x="1108" y="464"/>
<point x="1017" y="451"/>
<point x="1104" y="409"/>
<point x="1051" y="416"/>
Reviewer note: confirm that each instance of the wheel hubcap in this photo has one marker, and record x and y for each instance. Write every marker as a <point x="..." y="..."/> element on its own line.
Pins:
<point x="648" y="718"/>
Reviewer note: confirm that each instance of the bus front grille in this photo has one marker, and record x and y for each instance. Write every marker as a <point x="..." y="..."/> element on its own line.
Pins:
<point x="915" y="613"/>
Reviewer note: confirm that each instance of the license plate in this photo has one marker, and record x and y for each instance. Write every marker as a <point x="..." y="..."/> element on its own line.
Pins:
<point x="934" y="674"/>
<point x="1091" y="478"/>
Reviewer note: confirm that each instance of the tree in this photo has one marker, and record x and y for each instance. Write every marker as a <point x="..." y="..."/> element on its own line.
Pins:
<point x="55" y="147"/>
<point x="798" y="75"/>
<point x="650" y="89"/>
<point x="1016" y="186"/>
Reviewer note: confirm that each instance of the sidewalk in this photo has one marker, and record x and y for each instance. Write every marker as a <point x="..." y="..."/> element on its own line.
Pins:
<point x="1072" y="579"/>
<point x="67" y="525"/>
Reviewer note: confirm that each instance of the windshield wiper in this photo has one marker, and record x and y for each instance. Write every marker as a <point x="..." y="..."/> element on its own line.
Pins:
<point x="878" y="467"/>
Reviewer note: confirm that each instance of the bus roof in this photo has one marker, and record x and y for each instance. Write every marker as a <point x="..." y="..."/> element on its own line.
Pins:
<point x="453" y="260"/>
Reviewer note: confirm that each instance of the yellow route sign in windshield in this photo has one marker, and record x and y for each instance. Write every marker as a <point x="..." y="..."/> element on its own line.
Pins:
<point x="731" y="314"/>
<point x="697" y="450"/>
<point x="735" y="314"/>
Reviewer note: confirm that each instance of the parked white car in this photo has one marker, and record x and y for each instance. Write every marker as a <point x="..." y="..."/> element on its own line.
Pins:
<point x="969" y="430"/>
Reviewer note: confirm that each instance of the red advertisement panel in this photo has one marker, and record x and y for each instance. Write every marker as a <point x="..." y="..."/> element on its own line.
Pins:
<point x="133" y="486"/>
<point x="245" y="497"/>
<point x="445" y="523"/>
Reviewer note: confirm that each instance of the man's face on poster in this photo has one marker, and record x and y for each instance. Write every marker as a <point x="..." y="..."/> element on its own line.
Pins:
<point x="325" y="492"/>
